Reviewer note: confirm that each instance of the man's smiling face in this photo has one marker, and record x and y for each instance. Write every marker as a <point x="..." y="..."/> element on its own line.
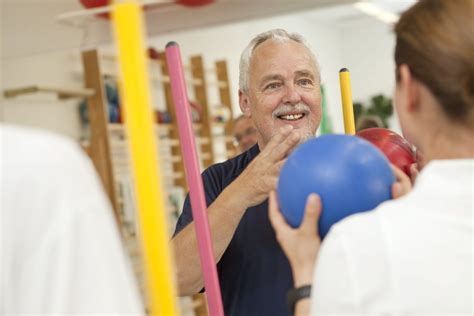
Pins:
<point x="284" y="89"/>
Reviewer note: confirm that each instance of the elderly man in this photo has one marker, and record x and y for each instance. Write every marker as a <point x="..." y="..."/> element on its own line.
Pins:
<point x="245" y="133"/>
<point x="280" y="90"/>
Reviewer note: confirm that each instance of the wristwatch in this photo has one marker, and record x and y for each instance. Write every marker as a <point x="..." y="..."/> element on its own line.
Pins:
<point x="296" y="294"/>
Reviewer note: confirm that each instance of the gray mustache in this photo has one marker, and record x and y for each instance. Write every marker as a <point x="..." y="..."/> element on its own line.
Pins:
<point x="285" y="109"/>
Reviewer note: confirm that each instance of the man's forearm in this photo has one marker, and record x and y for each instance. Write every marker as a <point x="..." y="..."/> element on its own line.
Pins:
<point x="224" y="216"/>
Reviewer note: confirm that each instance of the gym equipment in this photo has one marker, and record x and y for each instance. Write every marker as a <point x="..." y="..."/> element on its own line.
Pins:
<point x="162" y="117"/>
<point x="129" y="32"/>
<point x="194" y="3"/>
<point x="346" y="97"/>
<point x="193" y="175"/>
<point x="396" y="148"/>
<point x="221" y="114"/>
<point x="92" y="4"/>
<point x="350" y="175"/>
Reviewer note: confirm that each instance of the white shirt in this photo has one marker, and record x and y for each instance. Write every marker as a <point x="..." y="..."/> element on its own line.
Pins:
<point x="60" y="249"/>
<point x="410" y="256"/>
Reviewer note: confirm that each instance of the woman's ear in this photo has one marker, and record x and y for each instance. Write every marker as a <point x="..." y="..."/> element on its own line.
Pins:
<point x="244" y="103"/>
<point x="409" y="88"/>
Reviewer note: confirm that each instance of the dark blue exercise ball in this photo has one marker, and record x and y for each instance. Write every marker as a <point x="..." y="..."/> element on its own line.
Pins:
<point x="350" y="175"/>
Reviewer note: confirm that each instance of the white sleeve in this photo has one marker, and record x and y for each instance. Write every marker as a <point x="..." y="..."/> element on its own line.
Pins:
<point x="333" y="290"/>
<point x="78" y="264"/>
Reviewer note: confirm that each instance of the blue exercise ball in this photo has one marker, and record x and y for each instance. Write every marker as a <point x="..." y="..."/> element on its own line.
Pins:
<point x="350" y="175"/>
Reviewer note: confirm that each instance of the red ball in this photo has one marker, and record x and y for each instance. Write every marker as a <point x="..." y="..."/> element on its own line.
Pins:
<point x="91" y="4"/>
<point x="396" y="148"/>
<point x="194" y="3"/>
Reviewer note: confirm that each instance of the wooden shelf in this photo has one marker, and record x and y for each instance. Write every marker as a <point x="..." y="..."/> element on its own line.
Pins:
<point x="63" y="93"/>
<point x="120" y="128"/>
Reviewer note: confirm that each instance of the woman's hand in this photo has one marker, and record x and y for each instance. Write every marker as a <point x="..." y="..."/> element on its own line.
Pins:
<point x="414" y="172"/>
<point x="402" y="184"/>
<point x="301" y="245"/>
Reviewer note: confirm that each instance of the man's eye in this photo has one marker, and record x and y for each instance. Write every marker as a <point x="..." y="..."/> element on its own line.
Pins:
<point x="272" y="86"/>
<point x="305" y="82"/>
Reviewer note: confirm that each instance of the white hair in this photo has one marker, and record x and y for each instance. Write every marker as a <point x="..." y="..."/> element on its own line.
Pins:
<point x="277" y="35"/>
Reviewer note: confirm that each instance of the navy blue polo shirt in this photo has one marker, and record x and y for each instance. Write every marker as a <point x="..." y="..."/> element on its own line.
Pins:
<point x="254" y="273"/>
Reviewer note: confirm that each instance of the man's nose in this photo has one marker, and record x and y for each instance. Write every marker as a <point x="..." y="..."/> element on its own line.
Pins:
<point x="291" y="95"/>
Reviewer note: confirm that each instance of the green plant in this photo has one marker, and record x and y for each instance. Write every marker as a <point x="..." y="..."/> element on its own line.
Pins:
<point x="380" y="106"/>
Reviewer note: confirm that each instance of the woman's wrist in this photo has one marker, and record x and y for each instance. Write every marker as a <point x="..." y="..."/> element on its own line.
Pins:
<point x="302" y="275"/>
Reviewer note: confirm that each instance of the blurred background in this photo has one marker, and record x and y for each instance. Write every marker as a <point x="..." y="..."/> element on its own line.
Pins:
<point x="42" y="41"/>
<point x="59" y="73"/>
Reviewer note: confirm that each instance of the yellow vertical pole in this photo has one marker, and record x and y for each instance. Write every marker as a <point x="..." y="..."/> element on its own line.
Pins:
<point x="346" y="96"/>
<point x="129" y="32"/>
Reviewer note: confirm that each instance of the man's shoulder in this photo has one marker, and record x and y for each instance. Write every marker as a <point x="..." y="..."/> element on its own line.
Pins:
<point x="233" y="167"/>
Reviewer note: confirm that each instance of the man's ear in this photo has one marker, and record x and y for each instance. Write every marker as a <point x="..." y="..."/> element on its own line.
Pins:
<point x="244" y="103"/>
<point x="409" y="88"/>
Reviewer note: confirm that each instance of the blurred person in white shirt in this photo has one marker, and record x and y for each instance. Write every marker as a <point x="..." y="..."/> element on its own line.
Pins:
<point x="61" y="251"/>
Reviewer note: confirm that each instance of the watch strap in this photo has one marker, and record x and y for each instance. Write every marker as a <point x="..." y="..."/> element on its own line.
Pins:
<point x="296" y="294"/>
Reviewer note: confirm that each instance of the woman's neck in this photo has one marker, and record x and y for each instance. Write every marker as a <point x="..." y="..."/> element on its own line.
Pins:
<point x="458" y="143"/>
